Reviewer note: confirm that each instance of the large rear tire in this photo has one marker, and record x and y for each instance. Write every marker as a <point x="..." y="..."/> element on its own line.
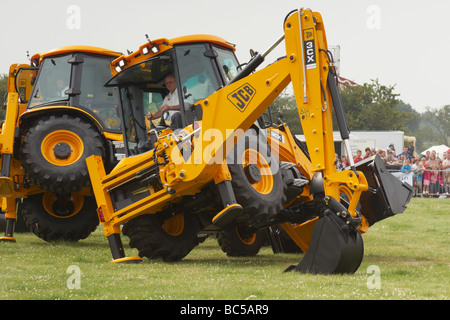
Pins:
<point x="171" y="239"/>
<point x="60" y="218"/>
<point x="256" y="177"/>
<point x="54" y="153"/>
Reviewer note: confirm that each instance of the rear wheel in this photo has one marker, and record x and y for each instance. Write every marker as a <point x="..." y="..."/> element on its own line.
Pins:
<point x="240" y="242"/>
<point x="171" y="239"/>
<point x="54" y="153"/>
<point x="54" y="217"/>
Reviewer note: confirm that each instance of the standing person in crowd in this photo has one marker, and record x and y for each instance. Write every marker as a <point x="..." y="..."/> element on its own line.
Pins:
<point x="391" y="148"/>
<point x="368" y="153"/>
<point x="440" y="179"/>
<point x="337" y="162"/>
<point x="429" y="164"/>
<point x="405" y="153"/>
<point x="446" y="173"/>
<point x="411" y="148"/>
<point x="357" y="158"/>
<point x="433" y="179"/>
<point x="344" y="161"/>
<point x="418" y="173"/>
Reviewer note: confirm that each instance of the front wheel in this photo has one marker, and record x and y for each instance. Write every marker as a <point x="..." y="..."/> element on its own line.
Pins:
<point x="54" y="217"/>
<point x="240" y="242"/>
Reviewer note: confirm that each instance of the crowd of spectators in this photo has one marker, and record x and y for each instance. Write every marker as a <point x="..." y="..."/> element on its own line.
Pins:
<point x="431" y="174"/>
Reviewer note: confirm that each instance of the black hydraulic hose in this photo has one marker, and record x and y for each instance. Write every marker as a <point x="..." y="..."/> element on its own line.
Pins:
<point x="338" y="109"/>
<point x="249" y="68"/>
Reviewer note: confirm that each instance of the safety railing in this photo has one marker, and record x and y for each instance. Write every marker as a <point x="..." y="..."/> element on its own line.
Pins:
<point x="426" y="183"/>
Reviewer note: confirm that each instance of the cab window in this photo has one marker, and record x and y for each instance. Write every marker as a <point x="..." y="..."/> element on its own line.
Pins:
<point x="228" y="63"/>
<point x="101" y="100"/>
<point x="197" y="77"/>
<point x="53" y="81"/>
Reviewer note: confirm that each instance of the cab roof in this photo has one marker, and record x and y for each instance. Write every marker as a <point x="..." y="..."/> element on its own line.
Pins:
<point x="68" y="49"/>
<point x="166" y="44"/>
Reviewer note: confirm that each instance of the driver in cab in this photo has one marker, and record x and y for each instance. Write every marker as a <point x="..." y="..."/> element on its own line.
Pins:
<point x="170" y="104"/>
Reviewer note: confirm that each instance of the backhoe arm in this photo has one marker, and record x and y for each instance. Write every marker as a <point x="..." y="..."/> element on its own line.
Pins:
<point x="236" y="107"/>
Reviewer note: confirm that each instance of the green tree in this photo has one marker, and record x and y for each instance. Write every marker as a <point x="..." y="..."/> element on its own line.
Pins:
<point x="3" y="91"/>
<point x="374" y="107"/>
<point x="285" y="108"/>
<point x="439" y="119"/>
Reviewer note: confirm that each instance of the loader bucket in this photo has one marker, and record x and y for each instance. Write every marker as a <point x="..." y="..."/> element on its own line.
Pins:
<point x="386" y="196"/>
<point x="335" y="247"/>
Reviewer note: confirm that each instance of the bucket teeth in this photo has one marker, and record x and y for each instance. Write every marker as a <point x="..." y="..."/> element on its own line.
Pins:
<point x="300" y="182"/>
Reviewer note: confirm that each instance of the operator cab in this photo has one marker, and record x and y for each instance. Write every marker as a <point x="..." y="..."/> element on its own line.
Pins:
<point x="199" y="69"/>
<point x="75" y="77"/>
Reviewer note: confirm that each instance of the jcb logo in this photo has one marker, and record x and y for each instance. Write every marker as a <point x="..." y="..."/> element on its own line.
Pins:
<point x="242" y="96"/>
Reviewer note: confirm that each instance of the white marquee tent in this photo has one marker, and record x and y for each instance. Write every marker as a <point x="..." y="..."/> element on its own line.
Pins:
<point x="439" y="150"/>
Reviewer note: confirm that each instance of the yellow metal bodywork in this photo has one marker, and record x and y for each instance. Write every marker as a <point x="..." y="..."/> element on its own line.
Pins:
<point x="15" y="186"/>
<point x="226" y="118"/>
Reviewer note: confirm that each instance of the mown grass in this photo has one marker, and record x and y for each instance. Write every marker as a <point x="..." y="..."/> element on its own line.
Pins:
<point x="411" y="251"/>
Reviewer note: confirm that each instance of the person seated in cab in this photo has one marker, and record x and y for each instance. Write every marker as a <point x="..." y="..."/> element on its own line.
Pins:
<point x="170" y="104"/>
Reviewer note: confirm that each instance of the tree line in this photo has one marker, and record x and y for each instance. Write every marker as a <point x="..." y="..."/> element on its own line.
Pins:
<point x="376" y="107"/>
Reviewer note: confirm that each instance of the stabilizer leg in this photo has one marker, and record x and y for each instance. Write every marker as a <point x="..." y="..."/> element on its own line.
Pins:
<point x="9" y="231"/>
<point x="118" y="253"/>
<point x="231" y="208"/>
<point x="9" y="206"/>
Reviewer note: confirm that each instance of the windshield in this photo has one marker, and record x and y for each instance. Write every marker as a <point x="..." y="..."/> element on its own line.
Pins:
<point x="52" y="82"/>
<point x="198" y="78"/>
<point x="142" y="90"/>
<point x="228" y="63"/>
<point x="86" y="91"/>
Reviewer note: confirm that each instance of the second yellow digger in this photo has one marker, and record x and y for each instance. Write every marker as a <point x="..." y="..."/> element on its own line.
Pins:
<point x="58" y="112"/>
<point x="223" y="167"/>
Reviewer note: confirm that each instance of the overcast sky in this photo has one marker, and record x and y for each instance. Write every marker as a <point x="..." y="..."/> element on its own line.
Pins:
<point x="405" y="43"/>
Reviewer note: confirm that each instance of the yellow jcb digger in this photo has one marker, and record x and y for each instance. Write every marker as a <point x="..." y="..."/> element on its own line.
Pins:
<point x="58" y="113"/>
<point x="227" y="169"/>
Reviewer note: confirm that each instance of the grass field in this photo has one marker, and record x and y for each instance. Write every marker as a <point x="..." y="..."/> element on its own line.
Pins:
<point x="411" y="252"/>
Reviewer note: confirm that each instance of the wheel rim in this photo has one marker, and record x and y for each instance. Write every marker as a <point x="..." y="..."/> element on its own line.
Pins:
<point x="62" y="147"/>
<point x="247" y="239"/>
<point x="253" y="157"/>
<point x="174" y="225"/>
<point x="49" y="199"/>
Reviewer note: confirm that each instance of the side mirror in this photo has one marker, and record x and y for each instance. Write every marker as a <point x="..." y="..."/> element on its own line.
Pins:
<point x="186" y="95"/>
